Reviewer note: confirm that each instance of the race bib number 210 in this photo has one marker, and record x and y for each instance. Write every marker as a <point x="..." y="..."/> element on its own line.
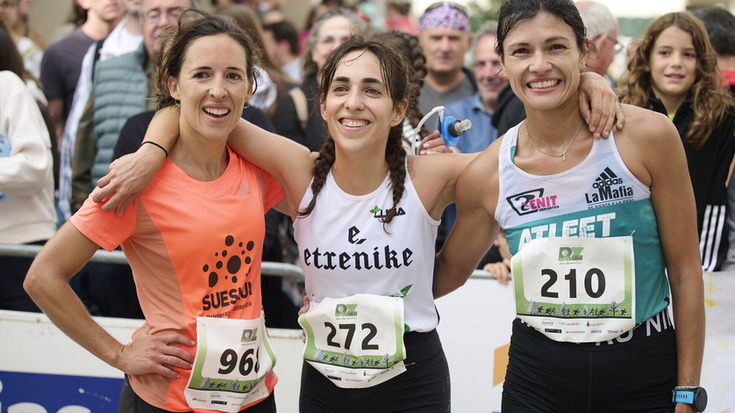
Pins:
<point x="576" y="289"/>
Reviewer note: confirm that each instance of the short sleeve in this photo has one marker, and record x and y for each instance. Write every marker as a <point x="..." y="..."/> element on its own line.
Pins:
<point x="106" y="229"/>
<point x="273" y="191"/>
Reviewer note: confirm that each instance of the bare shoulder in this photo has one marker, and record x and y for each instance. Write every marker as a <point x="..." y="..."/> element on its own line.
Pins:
<point x="446" y="167"/>
<point x="486" y="163"/>
<point x="645" y="128"/>
<point x="479" y="182"/>
<point x="648" y="139"/>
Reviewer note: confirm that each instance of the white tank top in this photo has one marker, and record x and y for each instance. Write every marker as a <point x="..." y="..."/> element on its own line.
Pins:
<point x="345" y="249"/>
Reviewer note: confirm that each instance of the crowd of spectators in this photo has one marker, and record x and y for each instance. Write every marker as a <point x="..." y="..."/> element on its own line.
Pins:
<point x="88" y="101"/>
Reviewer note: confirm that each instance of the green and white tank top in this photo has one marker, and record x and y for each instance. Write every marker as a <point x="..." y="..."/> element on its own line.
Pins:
<point x="598" y="198"/>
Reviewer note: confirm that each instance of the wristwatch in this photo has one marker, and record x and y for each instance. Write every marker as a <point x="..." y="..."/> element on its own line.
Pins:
<point x="696" y="396"/>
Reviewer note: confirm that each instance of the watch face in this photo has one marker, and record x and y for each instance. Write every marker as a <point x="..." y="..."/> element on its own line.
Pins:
<point x="700" y="399"/>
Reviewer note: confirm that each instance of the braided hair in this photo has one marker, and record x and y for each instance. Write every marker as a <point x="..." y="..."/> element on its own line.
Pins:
<point x="395" y="75"/>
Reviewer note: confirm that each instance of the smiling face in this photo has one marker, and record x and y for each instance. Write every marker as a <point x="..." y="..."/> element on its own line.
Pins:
<point x="445" y="49"/>
<point x="212" y="87"/>
<point x="358" y="107"/>
<point x="673" y="65"/>
<point x="544" y="70"/>
<point x="487" y="71"/>
<point x="157" y="15"/>
<point x="332" y="33"/>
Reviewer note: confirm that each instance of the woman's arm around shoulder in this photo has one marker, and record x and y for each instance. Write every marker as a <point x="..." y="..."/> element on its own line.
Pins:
<point x="476" y="228"/>
<point x="287" y="161"/>
<point x="673" y="202"/>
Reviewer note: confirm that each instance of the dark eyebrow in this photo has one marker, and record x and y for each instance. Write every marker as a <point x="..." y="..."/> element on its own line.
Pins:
<point x="364" y="80"/>
<point x="209" y="68"/>
<point x="556" y="38"/>
<point x="372" y="80"/>
<point x="549" y="40"/>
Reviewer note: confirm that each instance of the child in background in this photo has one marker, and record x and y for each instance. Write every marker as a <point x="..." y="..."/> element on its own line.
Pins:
<point x="674" y="71"/>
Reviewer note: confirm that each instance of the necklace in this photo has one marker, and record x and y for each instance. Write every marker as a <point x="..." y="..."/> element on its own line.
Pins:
<point x="562" y="155"/>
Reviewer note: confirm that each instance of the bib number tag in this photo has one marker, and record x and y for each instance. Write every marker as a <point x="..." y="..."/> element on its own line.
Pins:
<point x="577" y="290"/>
<point x="232" y="359"/>
<point x="356" y="341"/>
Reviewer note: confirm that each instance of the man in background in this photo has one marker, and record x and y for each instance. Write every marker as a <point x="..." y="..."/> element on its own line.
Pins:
<point x="282" y="39"/>
<point x="602" y="30"/>
<point x="62" y="61"/>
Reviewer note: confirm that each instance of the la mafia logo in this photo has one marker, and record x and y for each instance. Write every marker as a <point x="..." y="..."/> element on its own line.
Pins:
<point x="608" y="188"/>
<point x="532" y="201"/>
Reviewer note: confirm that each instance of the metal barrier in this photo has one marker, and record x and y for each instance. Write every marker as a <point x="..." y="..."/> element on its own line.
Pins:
<point x="274" y="269"/>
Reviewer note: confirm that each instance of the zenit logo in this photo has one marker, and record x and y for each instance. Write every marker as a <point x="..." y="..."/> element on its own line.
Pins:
<point x="346" y="310"/>
<point x="532" y="201"/>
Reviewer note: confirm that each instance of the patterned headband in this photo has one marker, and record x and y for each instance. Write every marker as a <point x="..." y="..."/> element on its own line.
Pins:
<point x="445" y="15"/>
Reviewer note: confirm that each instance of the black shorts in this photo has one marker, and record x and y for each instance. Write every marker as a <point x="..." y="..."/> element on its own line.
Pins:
<point x="132" y="403"/>
<point x="423" y="387"/>
<point x="632" y="373"/>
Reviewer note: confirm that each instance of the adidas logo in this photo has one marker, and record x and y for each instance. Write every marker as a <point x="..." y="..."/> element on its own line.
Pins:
<point x="607" y="178"/>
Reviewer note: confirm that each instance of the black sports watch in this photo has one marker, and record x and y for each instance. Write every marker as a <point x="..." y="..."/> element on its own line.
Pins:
<point x="696" y="396"/>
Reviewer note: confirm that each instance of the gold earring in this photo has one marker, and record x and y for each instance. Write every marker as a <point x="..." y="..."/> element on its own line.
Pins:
<point x="505" y="77"/>
<point x="177" y="103"/>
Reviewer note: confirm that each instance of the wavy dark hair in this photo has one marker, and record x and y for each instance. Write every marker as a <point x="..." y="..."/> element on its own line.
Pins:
<point x="710" y="99"/>
<point x="410" y="48"/>
<point x="513" y="12"/>
<point x="394" y="72"/>
<point x="192" y="25"/>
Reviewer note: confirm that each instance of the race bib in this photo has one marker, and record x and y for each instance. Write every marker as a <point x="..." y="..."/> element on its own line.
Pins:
<point x="232" y="359"/>
<point x="578" y="290"/>
<point x="356" y="341"/>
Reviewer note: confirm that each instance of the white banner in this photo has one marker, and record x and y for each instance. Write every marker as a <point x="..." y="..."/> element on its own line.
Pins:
<point x="475" y="329"/>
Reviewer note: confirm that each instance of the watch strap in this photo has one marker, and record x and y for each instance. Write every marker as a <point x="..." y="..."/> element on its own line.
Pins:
<point x="683" y="396"/>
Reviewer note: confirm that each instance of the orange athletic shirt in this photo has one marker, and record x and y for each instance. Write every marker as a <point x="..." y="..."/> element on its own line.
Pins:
<point x="195" y="250"/>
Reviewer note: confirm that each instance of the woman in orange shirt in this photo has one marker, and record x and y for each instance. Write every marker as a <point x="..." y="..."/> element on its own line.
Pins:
<point x="197" y="274"/>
